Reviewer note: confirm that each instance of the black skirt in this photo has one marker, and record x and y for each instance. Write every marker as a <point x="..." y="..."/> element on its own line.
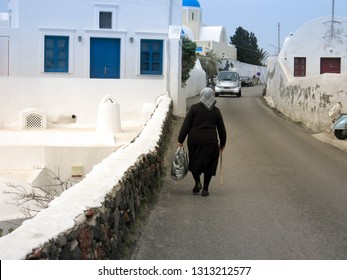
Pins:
<point x="203" y="158"/>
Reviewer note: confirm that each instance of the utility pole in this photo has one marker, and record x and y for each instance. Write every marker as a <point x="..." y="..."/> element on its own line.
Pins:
<point x="332" y="19"/>
<point x="279" y="39"/>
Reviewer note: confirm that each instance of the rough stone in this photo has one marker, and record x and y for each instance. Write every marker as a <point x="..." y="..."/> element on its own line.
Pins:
<point x="103" y="231"/>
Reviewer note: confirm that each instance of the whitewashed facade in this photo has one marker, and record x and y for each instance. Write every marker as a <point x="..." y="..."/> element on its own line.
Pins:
<point x="73" y="65"/>
<point x="309" y="75"/>
<point x="80" y="21"/>
<point x="318" y="47"/>
<point x="98" y="40"/>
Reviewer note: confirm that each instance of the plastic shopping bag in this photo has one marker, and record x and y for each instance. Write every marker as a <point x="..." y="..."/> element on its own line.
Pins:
<point x="179" y="165"/>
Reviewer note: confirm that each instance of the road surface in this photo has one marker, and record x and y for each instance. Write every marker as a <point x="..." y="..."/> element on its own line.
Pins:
<point x="284" y="195"/>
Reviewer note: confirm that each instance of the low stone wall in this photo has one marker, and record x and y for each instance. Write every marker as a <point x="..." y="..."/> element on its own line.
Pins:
<point x="101" y="227"/>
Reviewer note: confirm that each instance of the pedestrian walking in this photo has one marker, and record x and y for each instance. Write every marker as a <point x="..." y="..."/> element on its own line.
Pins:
<point x="227" y="66"/>
<point x="206" y="132"/>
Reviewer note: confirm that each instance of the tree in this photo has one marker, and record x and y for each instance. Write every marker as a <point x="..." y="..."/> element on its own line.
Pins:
<point x="188" y="58"/>
<point x="263" y="55"/>
<point x="247" y="47"/>
<point x="209" y="63"/>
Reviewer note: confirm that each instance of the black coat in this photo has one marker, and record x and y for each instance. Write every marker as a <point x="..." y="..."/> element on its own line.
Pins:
<point x="201" y="125"/>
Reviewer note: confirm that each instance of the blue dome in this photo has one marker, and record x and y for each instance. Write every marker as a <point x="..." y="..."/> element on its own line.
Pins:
<point x="191" y="3"/>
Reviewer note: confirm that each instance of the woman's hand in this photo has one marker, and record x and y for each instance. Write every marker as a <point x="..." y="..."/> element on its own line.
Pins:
<point x="222" y="148"/>
<point x="180" y="145"/>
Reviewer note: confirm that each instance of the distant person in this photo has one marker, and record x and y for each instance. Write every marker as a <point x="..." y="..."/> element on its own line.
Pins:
<point x="227" y="66"/>
<point x="206" y="132"/>
<point x="257" y="80"/>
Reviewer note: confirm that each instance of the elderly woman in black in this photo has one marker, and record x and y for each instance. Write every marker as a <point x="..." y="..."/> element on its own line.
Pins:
<point x="206" y="132"/>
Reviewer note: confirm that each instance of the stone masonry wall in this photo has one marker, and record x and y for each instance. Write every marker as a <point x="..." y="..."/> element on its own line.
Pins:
<point x="104" y="229"/>
<point x="99" y="232"/>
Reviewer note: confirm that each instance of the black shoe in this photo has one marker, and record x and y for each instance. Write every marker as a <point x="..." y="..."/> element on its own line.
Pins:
<point x="205" y="193"/>
<point x="197" y="188"/>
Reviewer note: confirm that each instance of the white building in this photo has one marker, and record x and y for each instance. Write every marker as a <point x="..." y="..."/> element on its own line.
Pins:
<point x="79" y="78"/>
<point x="206" y="37"/>
<point x="89" y="40"/>
<point x="309" y="75"/>
<point x="318" y="47"/>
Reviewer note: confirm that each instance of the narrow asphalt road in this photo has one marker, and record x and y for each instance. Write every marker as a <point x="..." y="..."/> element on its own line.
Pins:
<point x="284" y="195"/>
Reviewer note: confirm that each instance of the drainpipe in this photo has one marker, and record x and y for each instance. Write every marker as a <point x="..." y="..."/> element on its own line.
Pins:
<point x="168" y="48"/>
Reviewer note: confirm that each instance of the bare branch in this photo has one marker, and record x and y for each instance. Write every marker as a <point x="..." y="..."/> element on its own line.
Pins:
<point x="38" y="197"/>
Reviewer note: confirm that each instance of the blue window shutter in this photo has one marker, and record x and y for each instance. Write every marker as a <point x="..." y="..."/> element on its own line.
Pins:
<point x="151" y="57"/>
<point x="57" y="54"/>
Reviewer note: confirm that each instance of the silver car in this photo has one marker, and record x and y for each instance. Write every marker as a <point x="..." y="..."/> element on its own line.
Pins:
<point x="228" y="83"/>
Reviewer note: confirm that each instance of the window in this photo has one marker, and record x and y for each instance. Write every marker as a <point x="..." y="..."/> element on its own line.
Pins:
<point x="330" y="65"/>
<point x="151" y="57"/>
<point x="105" y="20"/>
<point x="299" y="66"/>
<point x="56" y="54"/>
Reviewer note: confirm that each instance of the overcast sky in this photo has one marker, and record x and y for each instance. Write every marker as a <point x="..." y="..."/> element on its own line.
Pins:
<point x="262" y="16"/>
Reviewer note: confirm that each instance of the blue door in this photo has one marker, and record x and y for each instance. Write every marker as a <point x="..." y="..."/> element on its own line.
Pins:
<point x="104" y="58"/>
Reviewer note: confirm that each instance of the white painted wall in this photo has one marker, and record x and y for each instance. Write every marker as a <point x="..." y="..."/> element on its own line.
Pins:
<point x="4" y="56"/>
<point x="60" y="98"/>
<point x="79" y="18"/>
<point x="314" y="40"/>
<point x="245" y="69"/>
<point x="4" y="19"/>
<point x="196" y="82"/>
<point x="306" y="100"/>
<point x="25" y="159"/>
<point x="67" y="142"/>
<point x="88" y="193"/>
